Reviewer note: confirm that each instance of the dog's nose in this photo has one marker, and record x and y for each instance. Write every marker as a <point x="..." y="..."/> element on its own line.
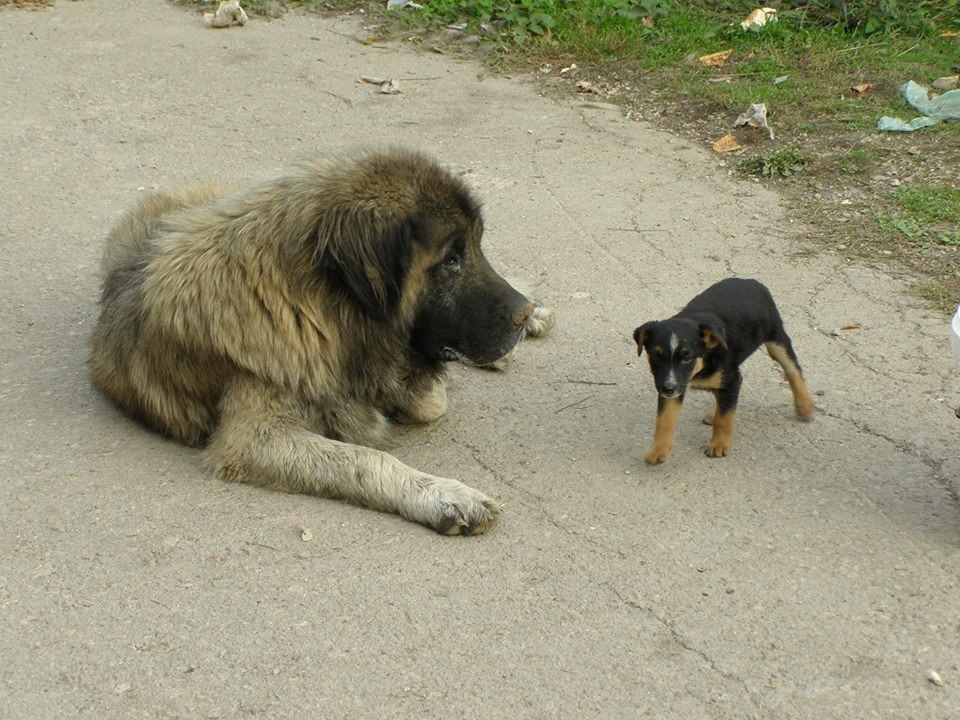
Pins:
<point x="668" y="388"/>
<point x="521" y="316"/>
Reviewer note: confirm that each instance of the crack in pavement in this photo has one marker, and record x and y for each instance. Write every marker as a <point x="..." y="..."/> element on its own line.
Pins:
<point x="755" y="699"/>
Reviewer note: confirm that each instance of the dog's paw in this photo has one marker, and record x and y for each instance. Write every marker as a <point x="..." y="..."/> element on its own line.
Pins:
<point x="427" y="407"/>
<point x="541" y="321"/>
<point x="453" y="508"/>
<point x="717" y="449"/>
<point x="656" y="456"/>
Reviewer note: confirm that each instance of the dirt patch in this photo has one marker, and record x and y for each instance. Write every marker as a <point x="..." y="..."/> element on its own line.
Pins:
<point x="850" y="180"/>
<point x="851" y="177"/>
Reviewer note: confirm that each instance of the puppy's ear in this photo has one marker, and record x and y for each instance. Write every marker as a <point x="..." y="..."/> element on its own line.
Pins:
<point x="713" y="335"/>
<point x="368" y="255"/>
<point x="640" y="334"/>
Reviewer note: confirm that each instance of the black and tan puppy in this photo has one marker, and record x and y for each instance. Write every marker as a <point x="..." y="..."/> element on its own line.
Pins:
<point x="703" y="347"/>
<point x="284" y="325"/>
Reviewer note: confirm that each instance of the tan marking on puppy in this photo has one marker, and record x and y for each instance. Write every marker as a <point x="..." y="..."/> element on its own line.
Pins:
<point x="711" y="382"/>
<point x="802" y="402"/>
<point x="722" y="434"/>
<point x="664" y="432"/>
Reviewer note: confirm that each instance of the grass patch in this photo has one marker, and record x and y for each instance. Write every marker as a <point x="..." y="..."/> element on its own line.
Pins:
<point x="784" y="163"/>
<point x="925" y="216"/>
<point x="860" y="189"/>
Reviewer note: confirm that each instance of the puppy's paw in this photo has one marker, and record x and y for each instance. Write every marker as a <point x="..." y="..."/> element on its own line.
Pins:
<point x="541" y="321"/>
<point x="656" y="455"/>
<point x="456" y="509"/>
<point x="717" y="448"/>
<point x="805" y="409"/>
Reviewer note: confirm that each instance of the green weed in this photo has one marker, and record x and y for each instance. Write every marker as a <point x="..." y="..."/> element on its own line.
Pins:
<point x="783" y="162"/>
<point x="926" y="215"/>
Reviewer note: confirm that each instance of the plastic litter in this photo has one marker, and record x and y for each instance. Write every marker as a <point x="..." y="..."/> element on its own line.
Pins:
<point x="935" y="109"/>
<point x="955" y="337"/>
<point x="755" y="116"/>
<point x="401" y="4"/>
<point x="388" y="86"/>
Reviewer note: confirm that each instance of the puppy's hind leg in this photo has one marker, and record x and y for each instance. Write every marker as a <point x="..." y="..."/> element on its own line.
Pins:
<point x="781" y="350"/>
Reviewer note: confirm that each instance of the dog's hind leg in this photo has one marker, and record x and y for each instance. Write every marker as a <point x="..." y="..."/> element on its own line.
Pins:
<point x="668" y="409"/>
<point x="263" y="439"/>
<point x="781" y="350"/>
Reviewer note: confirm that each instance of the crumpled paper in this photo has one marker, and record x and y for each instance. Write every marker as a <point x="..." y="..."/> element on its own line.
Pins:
<point x="935" y="109"/>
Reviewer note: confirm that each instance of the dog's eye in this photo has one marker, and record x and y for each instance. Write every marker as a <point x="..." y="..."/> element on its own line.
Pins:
<point x="452" y="263"/>
<point x="686" y="359"/>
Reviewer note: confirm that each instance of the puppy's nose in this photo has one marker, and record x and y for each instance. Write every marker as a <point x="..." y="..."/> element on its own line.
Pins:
<point x="668" y="388"/>
<point x="521" y="316"/>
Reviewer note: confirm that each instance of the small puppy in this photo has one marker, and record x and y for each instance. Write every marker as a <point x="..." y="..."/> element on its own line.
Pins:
<point x="703" y="347"/>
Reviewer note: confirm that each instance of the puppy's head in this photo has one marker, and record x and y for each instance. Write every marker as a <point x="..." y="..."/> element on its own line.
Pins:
<point x="676" y="349"/>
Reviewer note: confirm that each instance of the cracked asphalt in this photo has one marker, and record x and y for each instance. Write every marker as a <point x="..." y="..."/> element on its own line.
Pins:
<point x="812" y="573"/>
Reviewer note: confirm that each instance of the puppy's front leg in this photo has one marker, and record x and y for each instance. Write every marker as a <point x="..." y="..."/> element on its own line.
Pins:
<point x="668" y="409"/>
<point x="262" y="439"/>
<point x="724" y="417"/>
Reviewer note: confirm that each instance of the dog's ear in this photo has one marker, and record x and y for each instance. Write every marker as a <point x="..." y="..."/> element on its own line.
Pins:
<point x="368" y="255"/>
<point x="713" y="335"/>
<point x="640" y="334"/>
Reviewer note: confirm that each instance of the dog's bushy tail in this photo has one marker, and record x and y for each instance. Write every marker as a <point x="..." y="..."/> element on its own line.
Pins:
<point x="131" y="240"/>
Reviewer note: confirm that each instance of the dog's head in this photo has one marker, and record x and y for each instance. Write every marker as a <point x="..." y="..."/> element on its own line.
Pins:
<point x="400" y="237"/>
<point x="676" y="349"/>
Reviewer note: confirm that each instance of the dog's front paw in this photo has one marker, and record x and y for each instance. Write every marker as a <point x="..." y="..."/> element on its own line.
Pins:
<point x="424" y="408"/>
<point x="541" y="321"/>
<point x="452" y="508"/>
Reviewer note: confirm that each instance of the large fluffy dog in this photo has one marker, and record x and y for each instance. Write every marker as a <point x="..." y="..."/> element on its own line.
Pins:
<point x="286" y="324"/>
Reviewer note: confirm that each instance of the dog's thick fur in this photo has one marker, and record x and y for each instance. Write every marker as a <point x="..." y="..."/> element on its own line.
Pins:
<point x="703" y="346"/>
<point x="286" y="324"/>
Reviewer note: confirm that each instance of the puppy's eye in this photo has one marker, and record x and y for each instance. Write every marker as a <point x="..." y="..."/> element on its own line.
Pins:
<point x="686" y="359"/>
<point x="452" y="263"/>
